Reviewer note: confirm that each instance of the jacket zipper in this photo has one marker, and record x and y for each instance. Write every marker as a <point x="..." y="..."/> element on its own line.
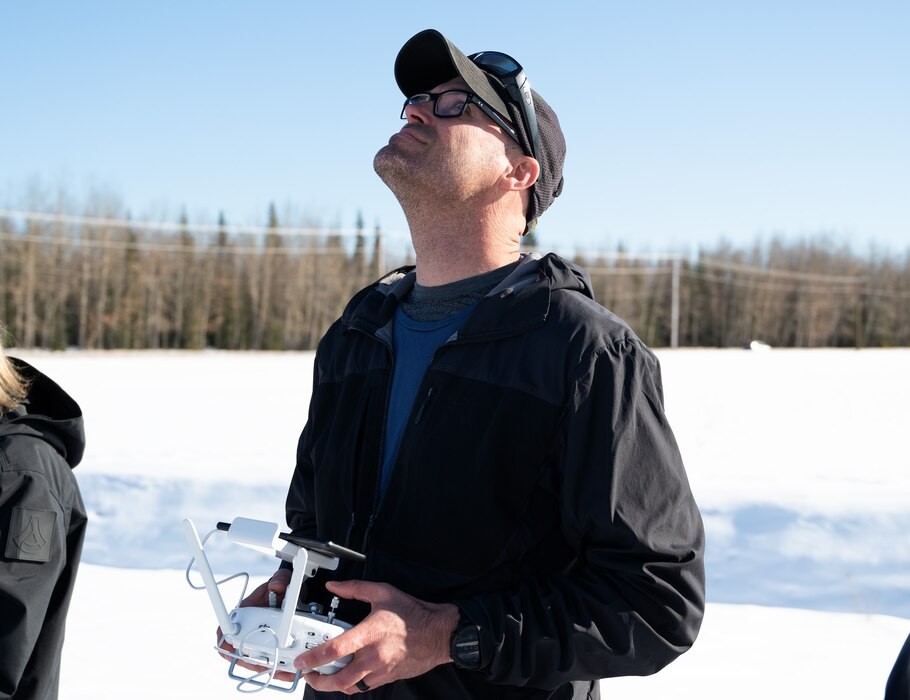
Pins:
<point x="385" y="413"/>
<point x="377" y="499"/>
<point x="366" y="533"/>
<point x="423" y="405"/>
<point x="347" y="536"/>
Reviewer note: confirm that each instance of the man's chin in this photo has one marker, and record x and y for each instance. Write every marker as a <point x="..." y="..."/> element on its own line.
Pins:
<point x="392" y="165"/>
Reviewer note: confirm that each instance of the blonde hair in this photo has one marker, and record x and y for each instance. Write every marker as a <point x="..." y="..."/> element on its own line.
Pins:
<point x="13" y="387"/>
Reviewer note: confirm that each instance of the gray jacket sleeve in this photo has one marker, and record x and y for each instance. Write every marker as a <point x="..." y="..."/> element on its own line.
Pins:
<point x="32" y="558"/>
<point x="634" y="598"/>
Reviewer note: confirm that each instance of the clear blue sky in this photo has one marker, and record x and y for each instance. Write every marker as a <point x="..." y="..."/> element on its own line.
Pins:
<point x="687" y="122"/>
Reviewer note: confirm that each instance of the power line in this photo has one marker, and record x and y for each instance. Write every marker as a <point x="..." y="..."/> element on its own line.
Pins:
<point x="178" y="227"/>
<point x="774" y="286"/>
<point x="625" y="271"/>
<point x="771" y="272"/>
<point x="597" y="256"/>
<point x="166" y="247"/>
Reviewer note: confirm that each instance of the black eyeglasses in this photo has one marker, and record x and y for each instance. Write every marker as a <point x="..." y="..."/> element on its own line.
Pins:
<point x="512" y="76"/>
<point x="451" y="103"/>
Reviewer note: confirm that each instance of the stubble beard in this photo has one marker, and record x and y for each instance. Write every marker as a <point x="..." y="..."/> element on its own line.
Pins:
<point x="425" y="177"/>
<point x="417" y="179"/>
<point x="395" y="170"/>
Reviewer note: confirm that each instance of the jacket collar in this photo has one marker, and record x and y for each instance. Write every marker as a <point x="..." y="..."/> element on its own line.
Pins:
<point x="520" y="303"/>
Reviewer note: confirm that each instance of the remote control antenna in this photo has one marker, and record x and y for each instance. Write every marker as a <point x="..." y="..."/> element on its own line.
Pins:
<point x="332" y="606"/>
<point x="211" y="587"/>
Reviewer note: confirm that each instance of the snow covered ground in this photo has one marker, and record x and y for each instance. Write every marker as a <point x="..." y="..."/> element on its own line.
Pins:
<point x="798" y="460"/>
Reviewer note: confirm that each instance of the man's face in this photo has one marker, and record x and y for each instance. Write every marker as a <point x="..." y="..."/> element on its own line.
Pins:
<point x="443" y="157"/>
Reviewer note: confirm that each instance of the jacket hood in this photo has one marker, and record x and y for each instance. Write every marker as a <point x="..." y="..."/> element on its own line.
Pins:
<point x="48" y="413"/>
<point x="526" y="291"/>
<point x="560" y="273"/>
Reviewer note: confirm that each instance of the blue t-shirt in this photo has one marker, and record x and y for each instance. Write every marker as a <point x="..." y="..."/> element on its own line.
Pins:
<point x="414" y="344"/>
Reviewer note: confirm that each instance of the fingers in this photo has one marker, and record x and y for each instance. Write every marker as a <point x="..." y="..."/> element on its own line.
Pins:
<point x="259" y="598"/>
<point x="368" y="660"/>
<point x="331" y="683"/>
<point x="278" y="584"/>
<point x="280" y="581"/>
<point x="366" y="591"/>
<point x="364" y="668"/>
<point x="402" y="637"/>
<point x="344" y="644"/>
<point x="348" y="643"/>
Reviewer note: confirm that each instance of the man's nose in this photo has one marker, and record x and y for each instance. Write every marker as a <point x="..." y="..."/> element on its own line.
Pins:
<point x="420" y="113"/>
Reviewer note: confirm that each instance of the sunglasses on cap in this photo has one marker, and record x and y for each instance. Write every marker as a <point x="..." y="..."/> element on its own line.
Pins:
<point x="512" y="76"/>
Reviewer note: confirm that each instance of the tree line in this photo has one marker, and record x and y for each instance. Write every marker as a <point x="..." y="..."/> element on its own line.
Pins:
<point x="109" y="284"/>
<point x="802" y="294"/>
<point x="101" y="285"/>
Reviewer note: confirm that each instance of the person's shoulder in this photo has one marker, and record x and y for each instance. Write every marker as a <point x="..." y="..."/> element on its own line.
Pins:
<point x="580" y="314"/>
<point x="25" y="449"/>
<point x="577" y="309"/>
<point x="577" y="316"/>
<point x="39" y="471"/>
<point x="594" y="333"/>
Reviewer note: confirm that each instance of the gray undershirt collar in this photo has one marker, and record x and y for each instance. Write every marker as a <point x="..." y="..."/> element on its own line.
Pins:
<point x="436" y="303"/>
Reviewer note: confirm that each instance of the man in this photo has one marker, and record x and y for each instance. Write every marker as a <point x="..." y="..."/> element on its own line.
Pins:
<point x="492" y="439"/>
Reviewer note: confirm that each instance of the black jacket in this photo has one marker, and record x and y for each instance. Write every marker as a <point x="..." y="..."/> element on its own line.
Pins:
<point x="538" y="486"/>
<point x="898" y="687"/>
<point x="42" y="527"/>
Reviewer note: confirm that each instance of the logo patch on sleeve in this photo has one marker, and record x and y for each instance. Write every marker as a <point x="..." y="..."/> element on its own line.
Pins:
<point x="31" y="533"/>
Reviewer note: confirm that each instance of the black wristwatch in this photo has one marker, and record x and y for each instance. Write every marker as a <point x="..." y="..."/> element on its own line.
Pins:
<point x="464" y="647"/>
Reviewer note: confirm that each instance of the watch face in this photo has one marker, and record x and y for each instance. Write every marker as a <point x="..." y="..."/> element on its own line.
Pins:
<point x="466" y="648"/>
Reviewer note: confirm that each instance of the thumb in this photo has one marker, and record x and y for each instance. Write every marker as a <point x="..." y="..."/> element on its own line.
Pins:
<point x="366" y="591"/>
<point x="341" y="588"/>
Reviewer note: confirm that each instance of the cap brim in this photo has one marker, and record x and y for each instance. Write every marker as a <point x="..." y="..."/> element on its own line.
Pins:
<point x="428" y="59"/>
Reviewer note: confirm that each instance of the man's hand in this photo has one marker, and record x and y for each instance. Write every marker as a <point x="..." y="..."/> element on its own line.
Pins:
<point x="402" y="637"/>
<point x="259" y="598"/>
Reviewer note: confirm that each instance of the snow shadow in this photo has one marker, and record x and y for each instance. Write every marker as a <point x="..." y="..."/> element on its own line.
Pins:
<point x="762" y="554"/>
<point x="769" y="555"/>
<point x="136" y="522"/>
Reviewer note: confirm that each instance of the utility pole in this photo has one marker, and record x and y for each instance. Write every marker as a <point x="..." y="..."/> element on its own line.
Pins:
<point x="674" y="304"/>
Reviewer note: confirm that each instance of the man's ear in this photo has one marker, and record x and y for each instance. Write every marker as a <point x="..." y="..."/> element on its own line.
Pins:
<point x="524" y="173"/>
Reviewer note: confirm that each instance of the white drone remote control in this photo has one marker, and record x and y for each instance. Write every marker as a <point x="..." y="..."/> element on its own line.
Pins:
<point x="272" y="637"/>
